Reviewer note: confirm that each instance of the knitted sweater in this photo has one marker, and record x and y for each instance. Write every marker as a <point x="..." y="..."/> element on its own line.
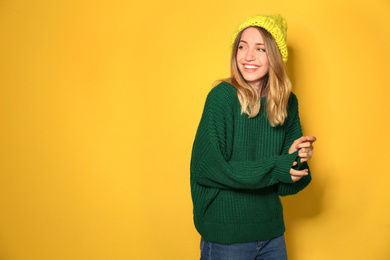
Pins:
<point x="239" y="167"/>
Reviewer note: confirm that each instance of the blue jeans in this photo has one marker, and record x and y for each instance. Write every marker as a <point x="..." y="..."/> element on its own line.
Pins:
<point x="272" y="249"/>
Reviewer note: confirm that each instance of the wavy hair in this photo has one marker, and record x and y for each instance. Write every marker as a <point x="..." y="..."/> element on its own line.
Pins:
<point x="276" y="84"/>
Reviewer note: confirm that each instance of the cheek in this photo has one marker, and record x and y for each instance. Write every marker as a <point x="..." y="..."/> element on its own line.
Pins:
<point x="238" y="60"/>
<point x="265" y="61"/>
<point x="264" y="58"/>
<point x="266" y="67"/>
<point x="238" y="57"/>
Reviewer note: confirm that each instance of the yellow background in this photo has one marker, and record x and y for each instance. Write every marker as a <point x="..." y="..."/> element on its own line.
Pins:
<point x="99" y="105"/>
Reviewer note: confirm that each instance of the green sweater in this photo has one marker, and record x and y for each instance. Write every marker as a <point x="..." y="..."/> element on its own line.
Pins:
<point x="239" y="167"/>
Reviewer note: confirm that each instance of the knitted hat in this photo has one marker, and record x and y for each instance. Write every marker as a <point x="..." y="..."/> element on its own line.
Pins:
<point x="275" y="24"/>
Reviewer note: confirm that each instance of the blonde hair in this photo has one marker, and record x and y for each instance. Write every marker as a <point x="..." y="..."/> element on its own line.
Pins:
<point x="276" y="84"/>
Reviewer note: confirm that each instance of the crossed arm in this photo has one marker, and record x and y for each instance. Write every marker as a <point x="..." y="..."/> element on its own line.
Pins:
<point x="304" y="146"/>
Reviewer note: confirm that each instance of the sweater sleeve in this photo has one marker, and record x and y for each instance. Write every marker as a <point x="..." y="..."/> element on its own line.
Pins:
<point x="210" y="164"/>
<point x="294" y="131"/>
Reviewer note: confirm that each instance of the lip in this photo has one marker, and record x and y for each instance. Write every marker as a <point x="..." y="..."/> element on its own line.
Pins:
<point x="250" y="67"/>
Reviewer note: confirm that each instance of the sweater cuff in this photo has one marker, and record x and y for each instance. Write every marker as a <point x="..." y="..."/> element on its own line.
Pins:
<point x="283" y="166"/>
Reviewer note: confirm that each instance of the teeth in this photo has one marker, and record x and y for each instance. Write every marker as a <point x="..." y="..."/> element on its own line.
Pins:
<point x="251" y="67"/>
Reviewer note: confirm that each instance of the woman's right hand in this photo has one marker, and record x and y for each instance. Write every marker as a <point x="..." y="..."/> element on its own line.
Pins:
<point x="296" y="175"/>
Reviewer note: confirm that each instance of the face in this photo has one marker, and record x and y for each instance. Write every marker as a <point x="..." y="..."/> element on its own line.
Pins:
<point x="252" y="60"/>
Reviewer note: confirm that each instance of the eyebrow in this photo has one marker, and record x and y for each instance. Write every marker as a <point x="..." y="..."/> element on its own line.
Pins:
<point x="256" y="43"/>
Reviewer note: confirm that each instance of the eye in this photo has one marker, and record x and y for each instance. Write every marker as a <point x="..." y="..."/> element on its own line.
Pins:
<point x="261" y="49"/>
<point x="241" y="47"/>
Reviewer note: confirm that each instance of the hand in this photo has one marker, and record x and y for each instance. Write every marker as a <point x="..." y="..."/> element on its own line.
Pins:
<point x="296" y="175"/>
<point x="304" y="146"/>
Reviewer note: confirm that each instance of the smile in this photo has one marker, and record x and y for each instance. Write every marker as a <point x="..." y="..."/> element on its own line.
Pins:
<point x="247" y="66"/>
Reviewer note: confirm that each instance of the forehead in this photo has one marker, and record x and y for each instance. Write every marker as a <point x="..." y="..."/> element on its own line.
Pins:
<point x="251" y="34"/>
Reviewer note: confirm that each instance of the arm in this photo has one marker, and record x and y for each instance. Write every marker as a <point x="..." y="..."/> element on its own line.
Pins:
<point x="296" y="143"/>
<point x="210" y="165"/>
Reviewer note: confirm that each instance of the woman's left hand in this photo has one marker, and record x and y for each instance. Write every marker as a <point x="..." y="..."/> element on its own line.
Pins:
<point x="304" y="146"/>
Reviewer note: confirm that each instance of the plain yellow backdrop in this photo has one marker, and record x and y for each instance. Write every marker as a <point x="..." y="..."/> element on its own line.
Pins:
<point x="99" y="105"/>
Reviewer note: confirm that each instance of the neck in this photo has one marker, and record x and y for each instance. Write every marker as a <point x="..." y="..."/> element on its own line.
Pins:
<point x="259" y="87"/>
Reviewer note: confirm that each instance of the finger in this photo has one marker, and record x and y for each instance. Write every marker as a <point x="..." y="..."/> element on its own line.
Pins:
<point x="304" y="152"/>
<point x="305" y="145"/>
<point x="294" y="164"/>
<point x="295" y="179"/>
<point x="305" y="159"/>
<point x="311" y="139"/>
<point x="305" y="141"/>
<point x="298" y="173"/>
<point x="303" y="155"/>
<point x="296" y="144"/>
<point x="299" y="140"/>
<point x="305" y="149"/>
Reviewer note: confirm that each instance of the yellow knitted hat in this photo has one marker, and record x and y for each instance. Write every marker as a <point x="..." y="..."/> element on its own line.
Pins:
<point x="275" y="24"/>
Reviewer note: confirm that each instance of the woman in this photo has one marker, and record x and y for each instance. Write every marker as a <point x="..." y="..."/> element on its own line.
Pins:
<point x="249" y="149"/>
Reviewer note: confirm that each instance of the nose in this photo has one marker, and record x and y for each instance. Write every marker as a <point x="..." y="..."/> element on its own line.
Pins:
<point x="250" y="56"/>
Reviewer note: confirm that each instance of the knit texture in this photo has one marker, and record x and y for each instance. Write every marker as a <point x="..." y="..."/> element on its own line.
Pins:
<point x="275" y="24"/>
<point x="239" y="167"/>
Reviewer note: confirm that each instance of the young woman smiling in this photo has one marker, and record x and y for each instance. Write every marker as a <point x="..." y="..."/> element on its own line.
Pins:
<point x="249" y="149"/>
